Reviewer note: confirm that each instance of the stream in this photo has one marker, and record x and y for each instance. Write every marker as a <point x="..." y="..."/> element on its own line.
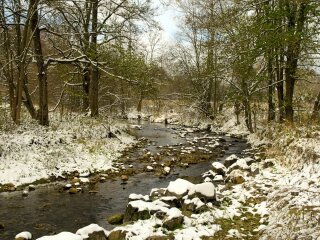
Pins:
<point x="47" y="211"/>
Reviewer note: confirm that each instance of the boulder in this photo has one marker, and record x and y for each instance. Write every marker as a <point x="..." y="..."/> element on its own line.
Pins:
<point x="92" y="232"/>
<point x="97" y="236"/>
<point x="240" y="164"/>
<point x="268" y="163"/>
<point x="73" y="190"/>
<point x="171" y="201"/>
<point x="32" y="187"/>
<point x="204" y="191"/>
<point x="173" y="223"/>
<point x="219" y="168"/>
<point x="230" y="160"/>
<point x="117" y="235"/>
<point x="236" y="177"/>
<point x="124" y="178"/>
<point x="194" y="205"/>
<point x="156" y="193"/>
<point x="116" y="219"/>
<point x="9" y="187"/>
<point x="1" y="226"/>
<point x="23" y="236"/>
<point x="218" y="179"/>
<point x="143" y="210"/>
<point x="249" y="160"/>
<point x="179" y="188"/>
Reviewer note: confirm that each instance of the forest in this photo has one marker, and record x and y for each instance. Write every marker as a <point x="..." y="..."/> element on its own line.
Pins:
<point x="87" y="86"/>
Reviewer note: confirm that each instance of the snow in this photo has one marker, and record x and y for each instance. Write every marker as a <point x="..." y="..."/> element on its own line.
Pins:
<point x="219" y="166"/>
<point x="179" y="186"/>
<point x="25" y="235"/>
<point x="31" y="152"/>
<point x="86" y="231"/>
<point x="206" y="189"/>
<point x="173" y="213"/>
<point x="62" y="236"/>
<point x="167" y="169"/>
<point x="149" y="206"/>
<point x="134" y="196"/>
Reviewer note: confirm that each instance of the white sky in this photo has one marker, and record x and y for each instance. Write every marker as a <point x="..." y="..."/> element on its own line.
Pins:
<point x="168" y="21"/>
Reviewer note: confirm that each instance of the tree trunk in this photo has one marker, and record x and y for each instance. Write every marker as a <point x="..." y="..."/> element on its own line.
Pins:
<point x="248" y="114"/>
<point x="271" y="105"/>
<point x="296" y="15"/>
<point x="280" y="87"/>
<point x="139" y="107"/>
<point x="86" y="48"/>
<point x="316" y="109"/>
<point x="43" y="112"/>
<point x="94" y="83"/>
<point x="86" y="89"/>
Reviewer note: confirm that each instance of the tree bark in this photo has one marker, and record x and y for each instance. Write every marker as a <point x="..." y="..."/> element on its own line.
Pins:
<point x="43" y="112"/>
<point x="94" y="83"/>
<point x="271" y="105"/>
<point x="296" y="15"/>
<point x="316" y="109"/>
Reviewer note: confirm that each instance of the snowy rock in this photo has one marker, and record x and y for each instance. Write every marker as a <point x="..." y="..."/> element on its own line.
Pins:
<point x="193" y="205"/>
<point x="239" y="164"/>
<point x="218" y="179"/>
<point x="167" y="170"/>
<point x="157" y="192"/>
<point x="32" y="187"/>
<point x="137" y="127"/>
<point x="268" y="163"/>
<point x="133" y="197"/>
<point x="219" y="168"/>
<point x="25" y="193"/>
<point x="236" y="177"/>
<point x="24" y="236"/>
<point x="67" y="186"/>
<point x="143" y="210"/>
<point x="93" y="232"/>
<point x="62" y="236"/>
<point x="205" y="191"/>
<point x="84" y="180"/>
<point x="173" y="220"/>
<point x="230" y="160"/>
<point x="171" y="201"/>
<point x="207" y="179"/>
<point x="249" y="160"/>
<point x="149" y="168"/>
<point x="179" y="187"/>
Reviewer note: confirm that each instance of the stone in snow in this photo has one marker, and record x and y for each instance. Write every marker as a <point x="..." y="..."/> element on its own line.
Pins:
<point x="218" y="178"/>
<point x="206" y="190"/>
<point x="149" y="168"/>
<point x="86" y="231"/>
<point x="24" y="235"/>
<point x="219" y="168"/>
<point x="179" y="187"/>
<point x="239" y="164"/>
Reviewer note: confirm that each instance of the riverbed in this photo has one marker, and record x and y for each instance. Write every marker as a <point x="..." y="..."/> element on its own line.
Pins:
<point x="48" y="211"/>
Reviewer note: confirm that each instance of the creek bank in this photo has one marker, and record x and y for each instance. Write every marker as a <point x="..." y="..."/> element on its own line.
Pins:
<point x="97" y="200"/>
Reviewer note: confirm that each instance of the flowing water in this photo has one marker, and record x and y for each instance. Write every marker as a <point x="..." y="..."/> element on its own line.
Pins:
<point x="47" y="211"/>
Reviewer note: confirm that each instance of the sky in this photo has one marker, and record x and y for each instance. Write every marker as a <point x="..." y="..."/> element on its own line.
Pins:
<point x="168" y="21"/>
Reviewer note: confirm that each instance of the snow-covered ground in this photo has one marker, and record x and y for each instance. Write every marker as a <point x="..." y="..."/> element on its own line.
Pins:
<point x="31" y="152"/>
<point x="276" y="195"/>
